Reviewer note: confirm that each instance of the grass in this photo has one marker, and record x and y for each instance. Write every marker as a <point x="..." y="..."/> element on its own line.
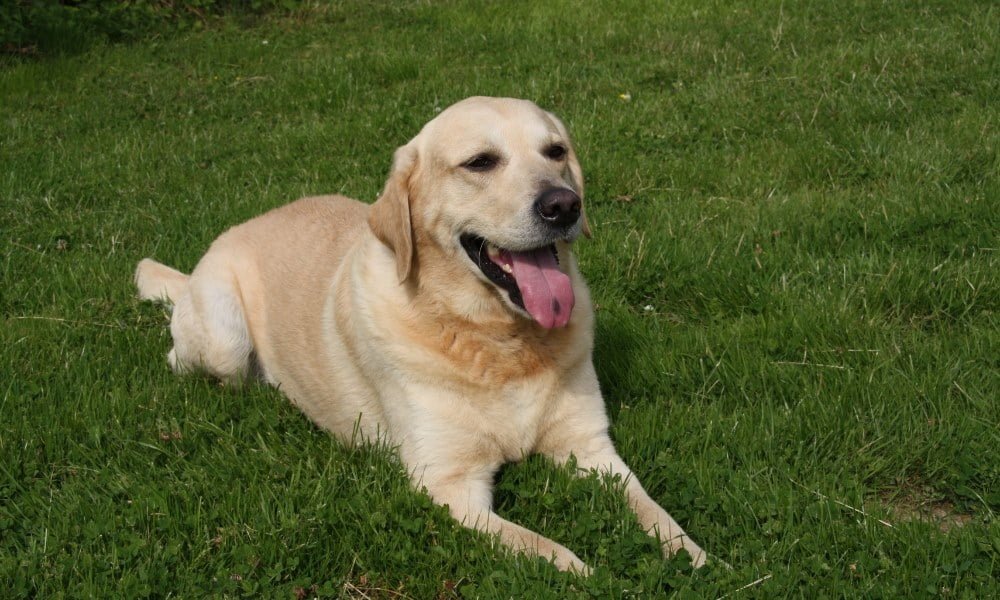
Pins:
<point x="795" y="262"/>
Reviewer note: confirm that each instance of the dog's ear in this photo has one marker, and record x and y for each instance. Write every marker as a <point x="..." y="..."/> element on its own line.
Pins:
<point x="576" y="173"/>
<point x="389" y="218"/>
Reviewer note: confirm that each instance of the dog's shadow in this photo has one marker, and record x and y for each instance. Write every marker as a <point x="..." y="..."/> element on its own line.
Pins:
<point x="615" y="347"/>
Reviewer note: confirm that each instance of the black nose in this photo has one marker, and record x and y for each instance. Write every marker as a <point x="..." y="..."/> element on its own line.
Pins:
<point x="560" y="207"/>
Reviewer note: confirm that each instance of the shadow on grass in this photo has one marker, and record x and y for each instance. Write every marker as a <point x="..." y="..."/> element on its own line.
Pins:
<point x="64" y="27"/>
<point x="615" y="347"/>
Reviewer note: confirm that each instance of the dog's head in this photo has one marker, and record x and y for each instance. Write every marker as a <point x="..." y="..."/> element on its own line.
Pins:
<point x="493" y="184"/>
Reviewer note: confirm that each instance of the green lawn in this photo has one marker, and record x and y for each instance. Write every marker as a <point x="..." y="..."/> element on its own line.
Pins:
<point x="795" y="259"/>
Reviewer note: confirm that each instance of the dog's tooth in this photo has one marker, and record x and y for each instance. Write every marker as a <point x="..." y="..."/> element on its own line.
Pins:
<point x="507" y="268"/>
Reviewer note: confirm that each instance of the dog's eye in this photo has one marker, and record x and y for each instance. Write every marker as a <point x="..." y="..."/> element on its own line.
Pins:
<point x="555" y="152"/>
<point x="481" y="163"/>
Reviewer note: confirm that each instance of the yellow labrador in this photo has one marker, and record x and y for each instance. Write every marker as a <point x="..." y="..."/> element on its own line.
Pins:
<point x="448" y="318"/>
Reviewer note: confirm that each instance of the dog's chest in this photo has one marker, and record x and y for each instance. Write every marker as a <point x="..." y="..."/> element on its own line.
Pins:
<point x="511" y="419"/>
<point x="484" y="425"/>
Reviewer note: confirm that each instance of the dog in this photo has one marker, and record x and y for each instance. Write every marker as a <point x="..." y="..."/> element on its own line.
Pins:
<point x="448" y="318"/>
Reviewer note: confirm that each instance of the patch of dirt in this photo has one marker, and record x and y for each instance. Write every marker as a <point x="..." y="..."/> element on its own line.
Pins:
<point x="914" y="502"/>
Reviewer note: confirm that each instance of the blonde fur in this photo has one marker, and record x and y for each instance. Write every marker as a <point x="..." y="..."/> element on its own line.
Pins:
<point x="372" y="319"/>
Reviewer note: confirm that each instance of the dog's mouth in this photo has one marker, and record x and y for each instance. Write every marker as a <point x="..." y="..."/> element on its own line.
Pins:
<point x="531" y="278"/>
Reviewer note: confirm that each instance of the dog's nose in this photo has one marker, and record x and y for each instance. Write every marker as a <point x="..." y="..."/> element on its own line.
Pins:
<point x="560" y="207"/>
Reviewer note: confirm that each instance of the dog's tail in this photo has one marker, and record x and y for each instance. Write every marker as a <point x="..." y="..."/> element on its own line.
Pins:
<point x="159" y="282"/>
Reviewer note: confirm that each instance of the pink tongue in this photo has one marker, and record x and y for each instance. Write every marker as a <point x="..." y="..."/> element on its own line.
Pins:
<point x="547" y="291"/>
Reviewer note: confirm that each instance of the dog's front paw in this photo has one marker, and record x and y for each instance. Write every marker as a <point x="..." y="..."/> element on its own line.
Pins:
<point x="698" y="556"/>
<point x="565" y="560"/>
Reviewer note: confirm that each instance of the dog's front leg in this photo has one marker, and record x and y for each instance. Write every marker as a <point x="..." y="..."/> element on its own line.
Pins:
<point x="579" y="428"/>
<point x="469" y="495"/>
<point x="652" y="517"/>
<point x="656" y="521"/>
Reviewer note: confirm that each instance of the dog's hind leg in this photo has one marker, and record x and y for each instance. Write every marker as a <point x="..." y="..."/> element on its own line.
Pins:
<point x="209" y="327"/>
